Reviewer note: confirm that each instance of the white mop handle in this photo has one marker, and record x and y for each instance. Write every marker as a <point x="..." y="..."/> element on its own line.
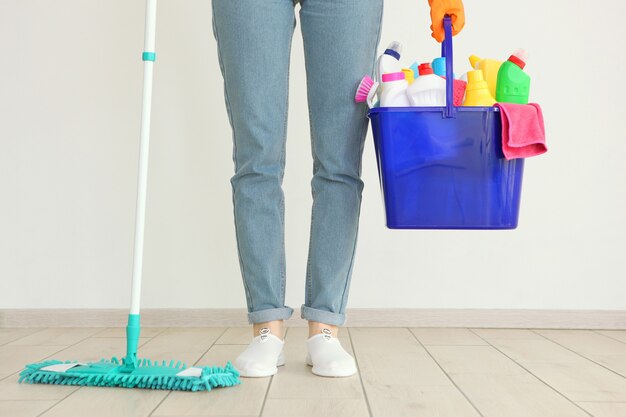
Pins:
<point x="148" y="58"/>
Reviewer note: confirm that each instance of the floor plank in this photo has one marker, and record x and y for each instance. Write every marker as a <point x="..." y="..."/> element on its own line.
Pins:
<point x="604" y="409"/>
<point x="237" y="336"/>
<point x="498" y="386"/>
<point x="401" y="379"/>
<point x="315" y="407"/>
<point x="121" y="332"/>
<point x="614" y="334"/>
<point x="107" y="402"/>
<point x="95" y="348"/>
<point x="55" y="336"/>
<point x="8" y="335"/>
<point x="30" y="408"/>
<point x="446" y="336"/>
<point x="511" y="334"/>
<point x="597" y="347"/>
<point x="575" y="377"/>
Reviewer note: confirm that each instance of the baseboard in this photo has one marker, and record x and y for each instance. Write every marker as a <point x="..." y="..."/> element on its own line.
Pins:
<point x="356" y="317"/>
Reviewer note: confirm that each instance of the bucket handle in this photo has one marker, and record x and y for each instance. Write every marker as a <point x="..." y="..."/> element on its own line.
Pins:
<point x="446" y="51"/>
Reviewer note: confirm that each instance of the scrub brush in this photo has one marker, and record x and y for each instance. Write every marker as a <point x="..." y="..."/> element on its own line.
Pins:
<point x="366" y="91"/>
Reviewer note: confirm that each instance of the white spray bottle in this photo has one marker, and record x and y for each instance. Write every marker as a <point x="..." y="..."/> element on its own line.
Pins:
<point x="387" y="63"/>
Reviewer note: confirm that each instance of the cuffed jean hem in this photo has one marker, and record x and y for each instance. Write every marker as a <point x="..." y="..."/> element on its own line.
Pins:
<point x="270" y="314"/>
<point x="322" y="316"/>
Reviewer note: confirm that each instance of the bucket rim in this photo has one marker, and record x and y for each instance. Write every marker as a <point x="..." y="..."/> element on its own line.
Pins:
<point x="433" y="109"/>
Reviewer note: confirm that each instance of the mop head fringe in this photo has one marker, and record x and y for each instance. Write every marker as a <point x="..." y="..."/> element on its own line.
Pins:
<point x="146" y="374"/>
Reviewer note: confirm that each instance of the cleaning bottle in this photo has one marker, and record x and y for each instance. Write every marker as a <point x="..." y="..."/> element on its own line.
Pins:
<point x="394" y="86"/>
<point x="439" y="66"/>
<point x="477" y="90"/>
<point x="428" y="89"/>
<point x="389" y="61"/>
<point x="490" y="68"/>
<point x="513" y="83"/>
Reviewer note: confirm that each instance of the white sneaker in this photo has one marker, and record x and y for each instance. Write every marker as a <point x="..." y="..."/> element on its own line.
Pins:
<point x="262" y="357"/>
<point x="328" y="357"/>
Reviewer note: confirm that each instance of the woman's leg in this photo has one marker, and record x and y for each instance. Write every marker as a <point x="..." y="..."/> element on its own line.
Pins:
<point x="340" y="42"/>
<point x="254" y="42"/>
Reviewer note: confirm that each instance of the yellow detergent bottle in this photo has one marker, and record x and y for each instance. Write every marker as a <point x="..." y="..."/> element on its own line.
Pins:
<point x="477" y="91"/>
<point x="490" y="68"/>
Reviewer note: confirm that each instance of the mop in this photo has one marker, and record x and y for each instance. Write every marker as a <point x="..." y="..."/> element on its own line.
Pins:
<point x="129" y="371"/>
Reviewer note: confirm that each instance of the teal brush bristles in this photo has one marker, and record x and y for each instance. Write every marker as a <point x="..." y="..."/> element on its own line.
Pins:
<point x="146" y="374"/>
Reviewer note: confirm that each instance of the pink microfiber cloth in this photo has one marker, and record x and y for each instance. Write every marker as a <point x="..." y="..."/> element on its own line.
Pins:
<point x="523" y="133"/>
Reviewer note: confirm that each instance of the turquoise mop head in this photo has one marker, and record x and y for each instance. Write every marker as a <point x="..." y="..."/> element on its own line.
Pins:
<point x="131" y="372"/>
<point x="145" y="374"/>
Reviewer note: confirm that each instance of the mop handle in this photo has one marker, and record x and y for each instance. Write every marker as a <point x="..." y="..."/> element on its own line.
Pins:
<point x="148" y="57"/>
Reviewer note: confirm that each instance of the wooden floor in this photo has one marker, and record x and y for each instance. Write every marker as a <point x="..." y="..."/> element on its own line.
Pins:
<point x="442" y="372"/>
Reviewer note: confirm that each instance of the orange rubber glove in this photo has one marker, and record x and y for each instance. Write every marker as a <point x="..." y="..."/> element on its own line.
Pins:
<point x="440" y="8"/>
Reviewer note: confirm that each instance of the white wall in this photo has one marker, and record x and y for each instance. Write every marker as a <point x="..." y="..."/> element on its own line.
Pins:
<point x="70" y="89"/>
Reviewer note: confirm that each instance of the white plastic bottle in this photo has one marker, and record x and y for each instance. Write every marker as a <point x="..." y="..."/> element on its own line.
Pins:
<point x="389" y="61"/>
<point x="394" y="86"/>
<point x="428" y="89"/>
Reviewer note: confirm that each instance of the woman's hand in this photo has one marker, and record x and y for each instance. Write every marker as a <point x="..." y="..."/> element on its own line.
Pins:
<point x="440" y="8"/>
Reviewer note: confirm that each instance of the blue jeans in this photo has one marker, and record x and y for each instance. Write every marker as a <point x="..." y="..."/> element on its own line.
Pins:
<point x="340" y="42"/>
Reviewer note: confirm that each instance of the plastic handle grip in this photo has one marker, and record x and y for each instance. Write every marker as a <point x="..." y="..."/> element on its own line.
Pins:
<point x="446" y="51"/>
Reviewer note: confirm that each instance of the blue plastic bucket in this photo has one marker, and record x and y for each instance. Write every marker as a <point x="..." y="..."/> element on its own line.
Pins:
<point x="443" y="167"/>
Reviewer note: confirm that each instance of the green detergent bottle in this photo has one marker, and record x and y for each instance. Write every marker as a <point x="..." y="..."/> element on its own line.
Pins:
<point x="513" y="83"/>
